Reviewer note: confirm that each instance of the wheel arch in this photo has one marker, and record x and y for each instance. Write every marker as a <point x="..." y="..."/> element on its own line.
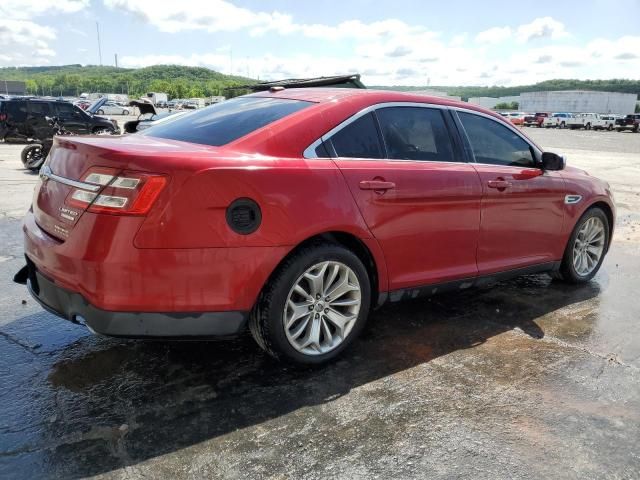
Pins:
<point x="608" y="211"/>
<point x="366" y="250"/>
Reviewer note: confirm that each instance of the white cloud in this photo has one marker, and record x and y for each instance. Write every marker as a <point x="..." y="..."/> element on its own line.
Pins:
<point x="544" y="27"/>
<point x="25" y="9"/>
<point x="494" y="35"/>
<point x="23" y="41"/>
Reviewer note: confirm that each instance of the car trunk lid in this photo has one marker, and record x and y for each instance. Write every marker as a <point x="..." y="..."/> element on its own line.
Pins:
<point x="80" y="170"/>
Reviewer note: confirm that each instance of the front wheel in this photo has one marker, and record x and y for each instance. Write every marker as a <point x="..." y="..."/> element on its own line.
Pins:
<point x="587" y="247"/>
<point x="314" y="306"/>
<point x="588" y="126"/>
<point x="610" y="127"/>
<point x="563" y="125"/>
<point x="100" y="112"/>
<point x="125" y="112"/>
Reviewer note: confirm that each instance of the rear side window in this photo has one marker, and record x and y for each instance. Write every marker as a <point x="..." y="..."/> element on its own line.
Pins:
<point x="227" y="121"/>
<point x="359" y="139"/>
<point x="16" y="111"/>
<point x="496" y="144"/>
<point x="39" y="108"/>
<point x="415" y="133"/>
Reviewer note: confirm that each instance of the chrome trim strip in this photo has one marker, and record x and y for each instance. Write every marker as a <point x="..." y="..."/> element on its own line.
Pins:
<point x="47" y="174"/>
<point x="309" y="151"/>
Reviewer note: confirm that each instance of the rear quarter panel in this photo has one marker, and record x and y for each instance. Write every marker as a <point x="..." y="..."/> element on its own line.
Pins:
<point x="298" y="199"/>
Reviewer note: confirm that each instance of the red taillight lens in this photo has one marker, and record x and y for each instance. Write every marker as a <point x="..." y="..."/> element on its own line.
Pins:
<point x="124" y="193"/>
<point x="3" y="117"/>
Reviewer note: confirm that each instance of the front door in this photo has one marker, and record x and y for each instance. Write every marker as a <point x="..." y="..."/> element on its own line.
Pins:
<point x="522" y="205"/>
<point x="420" y="201"/>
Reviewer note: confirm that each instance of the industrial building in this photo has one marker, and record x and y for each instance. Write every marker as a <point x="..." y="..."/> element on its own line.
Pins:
<point x="11" y="87"/>
<point x="578" y="101"/>
<point x="571" y="101"/>
<point x="435" y="93"/>
<point x="491" y="102"/>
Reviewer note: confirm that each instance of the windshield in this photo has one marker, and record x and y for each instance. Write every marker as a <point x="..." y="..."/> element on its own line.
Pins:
<point x="227" y="121"/>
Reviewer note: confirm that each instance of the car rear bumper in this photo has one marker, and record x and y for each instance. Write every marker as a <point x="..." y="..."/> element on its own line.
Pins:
<point x="74" y="307"/>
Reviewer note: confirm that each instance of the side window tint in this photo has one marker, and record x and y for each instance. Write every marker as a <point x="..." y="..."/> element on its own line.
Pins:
<point x="321" y="151"/>
<point x="65" y="110"/>
<point x="359" y="139"/>
<point x="494" y="143"/>
<point x="16" y="111"/>
<point x="39" y="108"/>
<point x="415" y="133"/>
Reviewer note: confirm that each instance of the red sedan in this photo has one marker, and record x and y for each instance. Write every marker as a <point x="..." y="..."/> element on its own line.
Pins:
<point x="296" y="212"/>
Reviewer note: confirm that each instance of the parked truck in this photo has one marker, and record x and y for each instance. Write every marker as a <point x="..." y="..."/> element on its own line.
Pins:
<point x="158" y="99"/>
<point x="630" y="122"/>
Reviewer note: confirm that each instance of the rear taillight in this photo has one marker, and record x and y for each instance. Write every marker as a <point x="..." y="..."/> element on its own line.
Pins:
<point x="125" y="193"/>
<point x="3" y="117"/>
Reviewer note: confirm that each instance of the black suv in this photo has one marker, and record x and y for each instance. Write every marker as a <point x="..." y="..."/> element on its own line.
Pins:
<point x="24" y="119"/>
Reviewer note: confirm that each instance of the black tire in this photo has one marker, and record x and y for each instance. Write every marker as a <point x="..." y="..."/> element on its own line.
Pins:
<point x="31" y="157"/>
<point x="125" y="112"/>
<point x="266" y="321"/>
<point x="563" y="125"/>
<point x="588" y="126"/>
<point x="100" y="112"/>
<point x="567" y="270"/>
<point x="610" y="127"/>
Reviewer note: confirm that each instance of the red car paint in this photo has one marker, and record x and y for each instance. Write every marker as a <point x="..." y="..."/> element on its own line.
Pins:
<point x="441" y="222"/>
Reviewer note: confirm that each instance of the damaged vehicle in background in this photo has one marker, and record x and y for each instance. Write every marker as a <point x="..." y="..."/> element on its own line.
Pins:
<point x="294" y="212"/>
<point x="149" y="116"/>
<point x="24" y="120"/>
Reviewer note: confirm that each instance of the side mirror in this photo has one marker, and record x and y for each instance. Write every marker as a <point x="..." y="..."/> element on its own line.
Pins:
<point x="553" y="161"/>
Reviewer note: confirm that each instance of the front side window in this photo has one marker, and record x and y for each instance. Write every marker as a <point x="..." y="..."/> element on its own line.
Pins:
<point x="415" y="133"/>
<point x="226" y="121"/>
<point x="358" y="139"/>
<point x="496" y="144"/>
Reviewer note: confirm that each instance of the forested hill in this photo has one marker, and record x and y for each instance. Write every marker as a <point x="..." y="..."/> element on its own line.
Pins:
<point x="187" y="82"/>
<point x="614" y="85"/>
<point x="177" y="81"/>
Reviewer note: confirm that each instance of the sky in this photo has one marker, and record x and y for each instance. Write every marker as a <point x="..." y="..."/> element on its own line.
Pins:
<point x="395" y="42"/>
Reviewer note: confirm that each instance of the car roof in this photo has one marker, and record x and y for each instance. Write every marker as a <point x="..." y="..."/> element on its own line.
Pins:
<point x="333" y="95"/>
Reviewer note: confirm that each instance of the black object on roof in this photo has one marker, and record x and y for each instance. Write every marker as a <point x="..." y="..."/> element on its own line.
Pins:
<point x="339" y="81"/>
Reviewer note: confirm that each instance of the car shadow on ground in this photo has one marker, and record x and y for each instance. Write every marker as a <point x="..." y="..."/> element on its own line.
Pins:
<point x="110" y="403"/>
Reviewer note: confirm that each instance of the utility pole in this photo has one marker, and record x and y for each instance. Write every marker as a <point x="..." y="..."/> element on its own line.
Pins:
<point x="116" y="60"/>
<point x="99" y="46"/>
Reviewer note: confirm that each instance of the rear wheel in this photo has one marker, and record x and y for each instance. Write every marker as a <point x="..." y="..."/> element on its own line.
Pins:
<point x="314" y="306"/>
<point x="125" y="112"/>
<point x="588" y="126"/>
<point x="562" y="125"/>
<point x="100" y="112"/>
<point x="610" y="127"/>
<point x="586" y="248"/>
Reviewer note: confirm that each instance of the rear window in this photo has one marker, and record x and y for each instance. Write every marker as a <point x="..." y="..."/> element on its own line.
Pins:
<point x="227" y="121"/>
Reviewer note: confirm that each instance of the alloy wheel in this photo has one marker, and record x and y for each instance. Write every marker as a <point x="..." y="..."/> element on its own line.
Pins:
<point x="588" y="246"/>
<point x="322" y="307"/>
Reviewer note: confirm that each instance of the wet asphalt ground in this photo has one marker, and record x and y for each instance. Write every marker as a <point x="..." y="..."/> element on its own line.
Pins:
<point x="531" y="378"/>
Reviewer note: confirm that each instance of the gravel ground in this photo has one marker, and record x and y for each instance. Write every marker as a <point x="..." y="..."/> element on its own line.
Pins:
<point x="529" y="379"/>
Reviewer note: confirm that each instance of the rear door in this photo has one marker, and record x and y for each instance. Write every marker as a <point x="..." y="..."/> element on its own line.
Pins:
<point x="417" y="196"/>
<point x="522" y="205"/>
<point x="37" y="124"/>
